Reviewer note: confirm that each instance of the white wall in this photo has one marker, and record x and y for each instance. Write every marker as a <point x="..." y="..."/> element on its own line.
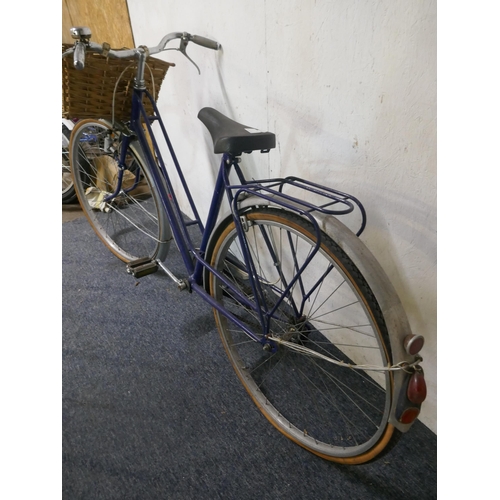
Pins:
<point x="349" y="88"/>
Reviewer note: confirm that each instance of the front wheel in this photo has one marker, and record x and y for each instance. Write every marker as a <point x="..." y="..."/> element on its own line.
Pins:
<point x="328" y="316"/>
<point x="131" y="224"/>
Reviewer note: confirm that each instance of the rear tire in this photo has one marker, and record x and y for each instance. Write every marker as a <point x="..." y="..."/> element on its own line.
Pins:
<point x="338" y="413"/>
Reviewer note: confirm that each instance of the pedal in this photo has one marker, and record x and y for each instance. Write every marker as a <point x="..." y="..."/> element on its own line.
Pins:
<point x="142" y="267"/>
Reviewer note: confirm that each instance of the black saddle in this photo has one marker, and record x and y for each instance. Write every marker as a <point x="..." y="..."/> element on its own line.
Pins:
<point x="232" y="137"/>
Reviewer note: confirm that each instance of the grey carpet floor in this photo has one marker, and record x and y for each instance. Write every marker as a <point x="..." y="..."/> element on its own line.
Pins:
<point x="152" y="408"/>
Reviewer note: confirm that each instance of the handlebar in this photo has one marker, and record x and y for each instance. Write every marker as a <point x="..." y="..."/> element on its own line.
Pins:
<point x="84" y="45"/>
<point x="205" y="42"/>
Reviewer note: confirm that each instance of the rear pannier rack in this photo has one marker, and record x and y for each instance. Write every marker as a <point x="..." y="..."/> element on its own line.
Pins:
<point x="333" y="202"/>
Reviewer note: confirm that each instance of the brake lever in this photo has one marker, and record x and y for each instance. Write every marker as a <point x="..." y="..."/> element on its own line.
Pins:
<point x="182" y="49"/>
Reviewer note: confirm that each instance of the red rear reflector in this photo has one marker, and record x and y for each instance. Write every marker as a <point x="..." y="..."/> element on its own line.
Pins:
<point x="413" y="344"/>
<point x="409" y="415"/>
<point x="417" y="388"/>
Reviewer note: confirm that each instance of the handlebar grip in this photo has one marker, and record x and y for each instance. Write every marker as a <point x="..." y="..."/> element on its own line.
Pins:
<point x="79" y="56"/>
<point x="206" y="42"/>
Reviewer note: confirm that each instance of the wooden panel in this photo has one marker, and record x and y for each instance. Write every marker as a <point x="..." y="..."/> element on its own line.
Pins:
<point x="66" y="24"/>
<point x="108" y="20"/>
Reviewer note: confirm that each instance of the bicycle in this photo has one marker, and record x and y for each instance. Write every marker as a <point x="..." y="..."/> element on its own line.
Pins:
<point x="309" y="320"/>
<point x="68" y="191"/>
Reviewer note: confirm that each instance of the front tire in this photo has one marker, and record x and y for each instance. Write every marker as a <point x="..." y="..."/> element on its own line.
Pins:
<point x="133" y="224"/>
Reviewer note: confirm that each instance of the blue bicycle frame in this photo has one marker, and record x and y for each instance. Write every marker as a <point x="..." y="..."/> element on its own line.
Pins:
<point x="269" y="191"/>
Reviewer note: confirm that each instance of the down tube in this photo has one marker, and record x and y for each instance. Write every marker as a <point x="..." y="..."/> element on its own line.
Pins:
<point x="160" y="183"/>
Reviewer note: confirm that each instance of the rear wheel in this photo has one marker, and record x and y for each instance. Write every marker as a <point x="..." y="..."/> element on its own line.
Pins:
<point x="328" y="316"/>
<point x="132" y="224"/>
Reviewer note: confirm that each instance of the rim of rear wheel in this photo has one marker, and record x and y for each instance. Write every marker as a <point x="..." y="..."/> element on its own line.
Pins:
<point x="354" y="407"/>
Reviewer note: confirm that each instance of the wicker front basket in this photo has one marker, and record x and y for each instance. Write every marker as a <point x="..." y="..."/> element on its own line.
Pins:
<point x="89" y="93"/>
